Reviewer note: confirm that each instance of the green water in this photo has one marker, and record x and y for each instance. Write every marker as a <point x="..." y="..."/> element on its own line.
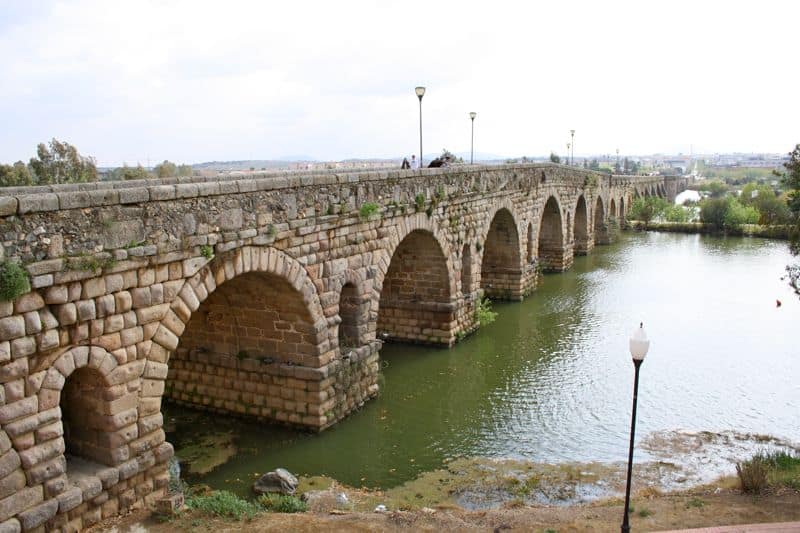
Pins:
<point x="551" y="379"/>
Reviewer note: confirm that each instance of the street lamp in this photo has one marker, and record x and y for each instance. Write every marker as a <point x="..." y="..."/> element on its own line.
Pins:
<point x="472" y="116"/>
<point x="420" y="93"/>
<point x="567" y="158"/>
<point x="572" y="143"/>
<point x="639" y="344"/>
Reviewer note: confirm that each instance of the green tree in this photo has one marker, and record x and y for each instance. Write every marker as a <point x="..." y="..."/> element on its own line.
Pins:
<point x="554" y="158"/>
<point x="15" y="175"/>
<point x="186" y="170"/>
<point x="648" y="209"/>
<point x="61" y="163"/>
<point x="678" y="213"/>
<point x="130" y="173"/>
<point x="712" y="211"/>
<point x="167" y="169"/>
<point x="791" y="180"/>
<point x="594" y="165"/>
<point x="737" y="214"/>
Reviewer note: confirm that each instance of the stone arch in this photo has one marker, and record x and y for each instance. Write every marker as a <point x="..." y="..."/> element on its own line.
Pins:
<point x="416" y="295"/>
<point x="95" y="400"/>
<point x="581" y="227"/>
<point x="551" y="236"/>
<point x="501" y="264"/>
<point x="466" y="270"/>
<point x="622" y="209"/>
<point x="612" y="209"/>
<point x="601" y="233"/>
<point x="251" y="318"/>
<point x="353" y="330"/>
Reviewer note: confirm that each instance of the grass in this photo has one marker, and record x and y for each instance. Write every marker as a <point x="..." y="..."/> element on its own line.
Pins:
<point x="368" y="210"/>
<point x="483" y="312"/>
<point x="282" y="503"/>
<point x="224" y="504"/>
<point x="696" y="503"/>
<point x="765" y="470"/>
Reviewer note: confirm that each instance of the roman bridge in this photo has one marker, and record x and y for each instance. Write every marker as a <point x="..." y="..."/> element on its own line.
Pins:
<point x="266" y="296"/>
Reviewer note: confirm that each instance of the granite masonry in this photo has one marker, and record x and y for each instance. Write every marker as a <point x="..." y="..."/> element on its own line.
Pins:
<point x="266" y="296"/>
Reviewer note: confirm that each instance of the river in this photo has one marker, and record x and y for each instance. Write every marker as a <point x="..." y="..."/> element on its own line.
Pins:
<point x="551" y="379"/>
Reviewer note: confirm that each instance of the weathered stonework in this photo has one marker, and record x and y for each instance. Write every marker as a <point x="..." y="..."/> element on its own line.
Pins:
<point x="267" y="297"/>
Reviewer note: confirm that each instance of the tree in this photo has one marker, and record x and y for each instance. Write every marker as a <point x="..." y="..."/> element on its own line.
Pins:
<point x="554" y="158"/>
<point x="186" y="170"/>
<point x="61" y="163"/>
<point x="647" y="209"/>
<point x="791" y="180"/>
<point x="167" y="169"/>
<point x="15" y="175"/>
<point x="130" y="173"/>
<point x="772" y="208"/>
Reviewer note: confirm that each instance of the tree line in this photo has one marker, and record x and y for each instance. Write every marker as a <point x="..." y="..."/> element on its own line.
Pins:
<point x="60" y="162"/>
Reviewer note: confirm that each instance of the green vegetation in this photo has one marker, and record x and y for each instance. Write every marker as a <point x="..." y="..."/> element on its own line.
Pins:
<point x="727" y="213"/>
<point x="282" y="503"/>
<point x="647" y="209"/>
<point x="224" y="504"/>
<point x="13" y="281"/>
<point x="645" y="512"/>
<point x="696" y="503"/>
<point x="769" y="470"/>
<point x="168" y="169"/>
<point x="554" y="158"/>
<point x="419" y="201"/>
<point x="483" y="312"/>
<point x="716" y="189"/>
<point x="736" y="175"/>
<point x="207" y="251"/>
<point x="368" y="210"/>
<point x="16" y="175"/>
<point x="61" y="163"/>
<point x="791" y="180"/>
<point x="772" y="208"/>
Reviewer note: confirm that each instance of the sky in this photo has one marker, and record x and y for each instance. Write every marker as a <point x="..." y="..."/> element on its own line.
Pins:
<point x="193" y="81"/>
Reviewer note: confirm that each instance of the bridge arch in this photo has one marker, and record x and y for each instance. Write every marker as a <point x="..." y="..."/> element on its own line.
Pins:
<point x="581" y="228"/>
<point x="501" y="263"/>
<point x="612" y="209"/>
<point x="622" y="213"/>
<point x="416" y="298"/>
<point x="353" y="312"/>
<point x="551" y="245"/>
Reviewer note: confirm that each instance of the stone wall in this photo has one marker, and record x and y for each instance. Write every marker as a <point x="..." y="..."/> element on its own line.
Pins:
<point x="266" y="298"/>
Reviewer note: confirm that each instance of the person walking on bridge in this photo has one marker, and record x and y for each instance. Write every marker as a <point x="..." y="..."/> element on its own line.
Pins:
<point x="414" y="162"/>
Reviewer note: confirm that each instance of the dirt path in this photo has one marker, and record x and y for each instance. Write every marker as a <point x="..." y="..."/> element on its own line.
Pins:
<point x="697" y="508"/>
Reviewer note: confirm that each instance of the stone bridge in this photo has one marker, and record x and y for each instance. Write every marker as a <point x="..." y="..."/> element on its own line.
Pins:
<point x="267" y="297"/>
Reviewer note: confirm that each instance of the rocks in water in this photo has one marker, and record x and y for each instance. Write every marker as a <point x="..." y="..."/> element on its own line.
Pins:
<point x="279" y="480"/>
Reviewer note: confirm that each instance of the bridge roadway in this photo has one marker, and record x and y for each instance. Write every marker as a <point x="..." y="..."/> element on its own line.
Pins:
<point x="267" y="296"/>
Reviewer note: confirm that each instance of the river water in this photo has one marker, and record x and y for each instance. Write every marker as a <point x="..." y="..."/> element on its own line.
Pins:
<point x="551" y="379"/>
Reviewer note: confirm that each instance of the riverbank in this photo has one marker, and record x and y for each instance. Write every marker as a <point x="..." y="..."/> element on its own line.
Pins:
<point x="744" y="230"/>
<point x="712" y="505"/>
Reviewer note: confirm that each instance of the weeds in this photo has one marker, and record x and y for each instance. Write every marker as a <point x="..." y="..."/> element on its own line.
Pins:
<point x="368" y="210"/>
<point x="483" y="312"/>
<point x="419" y="201"/>
<point x="695" y="502"/>
<point x="644" y="512"/>
<point x="753" y="473"/>
<point x="207" y="251"/>
<point x="13" y="281"/>
<point x="224" y="504"/>
<point x="282" y="503"/>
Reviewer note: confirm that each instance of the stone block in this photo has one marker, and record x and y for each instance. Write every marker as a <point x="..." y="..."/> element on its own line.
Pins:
<point x="23" y="347"/>
<point x="90" y="486"/>
<point x="12" y="327"/>
<point x="41" y="453"/>
<point x="38" y="515"/>
<point x="5" y="351"/>
<point x="12" y="483"/>
<point x="48" y="340"/>
<point x="69" y="499"/>
<point x="12" y="525"/>
<point x="86" y="310"/>
<point x="25" y="407"/>
<point x="47" y="470"/>
<point x="33" y="322"/>
<point x="19" y="501"/>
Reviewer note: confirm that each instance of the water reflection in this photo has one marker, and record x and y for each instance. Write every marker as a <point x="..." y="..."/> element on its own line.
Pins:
<point x="550" y="380"/>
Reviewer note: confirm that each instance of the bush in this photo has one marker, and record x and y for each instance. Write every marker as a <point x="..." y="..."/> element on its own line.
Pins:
<point x="13" y="281"/>
<point x="753" y="473"/>
<point x="367" y="211"/>
<point x="737" y="214"/>
<point x="678" y="213"/>
<point x="647" y="209"/>
<point x="483" y="312"/>
<point x="224" y="504"/>
<point x="282" y="503"/>
<point x="712" y="211"/>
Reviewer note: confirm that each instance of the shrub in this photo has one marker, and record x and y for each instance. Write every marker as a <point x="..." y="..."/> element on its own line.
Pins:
<point x="367" y="211"/>
<point x="13" y="281"/>
<point x="282" y="503"/>
<point x="419" y="201"/>
<point x="224" y="504"/>
<point x="483" y="312"/>
<point x="207" y="251"/>
<point x="678" y="213"/>
<point x="753" y="473"/>
<point x="712" y="211"/>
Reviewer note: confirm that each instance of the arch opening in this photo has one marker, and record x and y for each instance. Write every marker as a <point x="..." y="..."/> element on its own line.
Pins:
<point x="466" y="270"/>
<point x="415" y="298"/>
<point x="501" y="268"/>
<point x="601" y="233"/>
<point x="351" y="314"/>
<point x="551" y="238"/>
<point x="581" y="228"/>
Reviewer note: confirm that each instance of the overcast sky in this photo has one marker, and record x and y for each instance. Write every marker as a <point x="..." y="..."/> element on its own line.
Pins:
<point x="198" y="81"/>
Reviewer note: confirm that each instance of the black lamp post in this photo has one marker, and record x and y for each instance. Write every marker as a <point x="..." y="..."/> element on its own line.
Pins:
<point x="639" y="344"/>
<point x="472" y="116"/>
<point x="572" y="144"/>
<point x="420" y="93"/>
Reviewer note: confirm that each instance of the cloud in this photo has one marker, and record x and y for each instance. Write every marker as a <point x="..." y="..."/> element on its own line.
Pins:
<point x="195" y="81"/>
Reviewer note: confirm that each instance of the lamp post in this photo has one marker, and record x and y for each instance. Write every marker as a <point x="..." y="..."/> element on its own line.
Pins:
<point x="617" y="169"/>
<point x="572" y="144"/>
<point x="567" y="158"/>
<point x="472" y="116"/>
<point x="639" y="344"/>
<point x="420" y="93"/>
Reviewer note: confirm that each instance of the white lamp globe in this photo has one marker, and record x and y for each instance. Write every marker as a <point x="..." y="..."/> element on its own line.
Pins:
<point x="639" y="344"/>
